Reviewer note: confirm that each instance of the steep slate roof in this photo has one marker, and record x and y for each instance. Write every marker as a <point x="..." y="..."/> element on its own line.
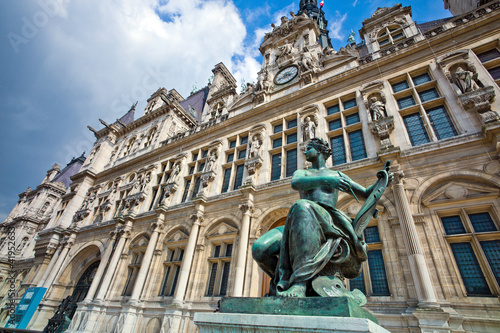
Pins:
<point x="432" y="24"/>
<point x="71" y="169"/>
<point x="128" y="117"/>
<point x="197" y="100"/>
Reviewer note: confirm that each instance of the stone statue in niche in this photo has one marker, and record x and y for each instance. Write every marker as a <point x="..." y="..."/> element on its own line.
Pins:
<point x="466" y="79"/>
<point x="211" y="159"/>
<point x="319" y="245"/>
<point x="175" y="173"/>
<point x="308" y="129"/>
<point x="255" y="146"/>
<point x="377" y="109"/>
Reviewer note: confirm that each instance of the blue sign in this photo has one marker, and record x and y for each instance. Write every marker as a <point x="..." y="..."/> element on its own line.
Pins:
<point x="26" y="308"/>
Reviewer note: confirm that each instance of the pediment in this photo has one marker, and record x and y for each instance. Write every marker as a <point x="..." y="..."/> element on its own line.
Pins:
<point x="177" y="236"/>
<point x="140" y="242"/>
<point x="456" y="191"/>
<point x="222" y="229"/>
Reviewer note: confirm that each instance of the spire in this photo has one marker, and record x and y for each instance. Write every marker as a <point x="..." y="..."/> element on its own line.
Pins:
<point x="310" y="7"/>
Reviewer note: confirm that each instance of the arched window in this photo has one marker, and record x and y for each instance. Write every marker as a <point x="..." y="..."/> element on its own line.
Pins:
<point x="150" y="138"/>
<point x="390" y="35"/>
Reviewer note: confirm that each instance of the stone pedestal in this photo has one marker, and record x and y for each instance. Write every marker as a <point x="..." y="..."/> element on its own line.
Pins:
<point x="276" y="314"/>
<point x="231" y="322"/>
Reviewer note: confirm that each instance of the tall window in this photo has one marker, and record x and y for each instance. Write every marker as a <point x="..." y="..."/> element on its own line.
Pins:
<point x="134" y="266"/>
<point x="489" y="56"/>
<point x="226" y="180"/>
<point x="422" y="108"/>
<point x="276" y="166"/>
<point x="283" y="153"/>
<point x="238" y="180"/>
<point x="416" y="130"/>
<point x="220" y="264"/>
<point x="172" y="267"/>
<point x="291" y="162"/>
<point x="357" y="144"/>
<point x="474" y="240"/>
<point x="234" y="168"/>
<point x="373" y="278"/>
<point x="345" y="133"/>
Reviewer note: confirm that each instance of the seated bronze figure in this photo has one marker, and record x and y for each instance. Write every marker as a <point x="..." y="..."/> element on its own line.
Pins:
<point x="319" y="245"/>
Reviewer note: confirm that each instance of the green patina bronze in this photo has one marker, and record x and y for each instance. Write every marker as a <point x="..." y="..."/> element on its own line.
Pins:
<point x="319" y="246"/>
<point x="291" y="306"/>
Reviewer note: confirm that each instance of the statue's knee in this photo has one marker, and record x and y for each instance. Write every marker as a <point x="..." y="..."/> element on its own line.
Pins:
<point x="302" y="204"/>
<point x="258" y="251"/>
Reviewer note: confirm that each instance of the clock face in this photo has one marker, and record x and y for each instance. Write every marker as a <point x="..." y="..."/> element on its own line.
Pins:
<point x="286" y="75"/>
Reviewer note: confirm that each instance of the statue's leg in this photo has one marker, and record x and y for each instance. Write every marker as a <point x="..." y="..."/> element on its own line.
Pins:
<point x="266" y="248"/>
<point x="303" y="239"/>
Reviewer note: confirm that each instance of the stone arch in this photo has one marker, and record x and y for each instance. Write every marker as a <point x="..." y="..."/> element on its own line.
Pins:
<point x="79" y="262"/>
<point x="434" y="181"/>
<point x="76" y="249"/>
<point x="139" y="240"/>
<point x="387" y="205"/>
<point x="267" y="219"/>
<point x="172" y="232"/>
<point x="153" y="326"/>
<point x="231" y="221"/>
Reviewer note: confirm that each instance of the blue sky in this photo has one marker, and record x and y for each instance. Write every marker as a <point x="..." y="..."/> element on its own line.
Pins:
<point x="66" y="63"/>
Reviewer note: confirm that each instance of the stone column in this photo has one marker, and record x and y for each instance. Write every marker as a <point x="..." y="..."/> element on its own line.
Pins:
<point x="423" y="284"/>
<point x="241" y="259"/>
<point x="187" y="260"/>
<point x="146" y="261"/>
<point x="48" y="269"/>
<point x="125" y="233"/>
<point x="62" y="256"/>
<point x="102" y="266"/>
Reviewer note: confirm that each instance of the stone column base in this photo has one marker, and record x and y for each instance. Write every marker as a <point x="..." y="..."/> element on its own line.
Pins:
<point x="232" y="322"/>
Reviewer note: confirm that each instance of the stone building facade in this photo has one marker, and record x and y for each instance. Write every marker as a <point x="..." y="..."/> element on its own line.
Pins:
<point x="159" y="222"/>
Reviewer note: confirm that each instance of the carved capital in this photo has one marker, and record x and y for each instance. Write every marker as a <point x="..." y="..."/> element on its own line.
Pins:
<point x="158" y="226"/>
<point x="247" y="208"/>
<point x="197" y="218"/>
<point x="399" y="177"/>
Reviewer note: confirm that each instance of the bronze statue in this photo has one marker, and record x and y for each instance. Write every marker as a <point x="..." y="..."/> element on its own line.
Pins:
<point x="319" y="243"/>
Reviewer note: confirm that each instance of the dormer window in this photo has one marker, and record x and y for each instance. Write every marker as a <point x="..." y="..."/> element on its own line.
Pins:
<point x="390" y="35"/>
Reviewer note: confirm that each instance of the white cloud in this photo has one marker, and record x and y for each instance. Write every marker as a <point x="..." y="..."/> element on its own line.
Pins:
<point x="111" y="57"/>
<point x="335" y="26"/>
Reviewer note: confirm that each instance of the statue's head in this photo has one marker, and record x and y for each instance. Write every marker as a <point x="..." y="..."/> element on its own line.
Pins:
<point x="373" y="99"/>
<point x="321" y="146"/>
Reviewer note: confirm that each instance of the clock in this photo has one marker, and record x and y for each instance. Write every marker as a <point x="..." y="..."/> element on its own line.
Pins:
<point x="286" y="75"/>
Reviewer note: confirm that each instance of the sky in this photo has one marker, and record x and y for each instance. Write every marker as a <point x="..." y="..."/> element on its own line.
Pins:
<point x="66" y="63"/>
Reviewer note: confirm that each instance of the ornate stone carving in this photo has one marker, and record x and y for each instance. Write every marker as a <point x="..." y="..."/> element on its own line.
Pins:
<point x="247" y="208"/>
<point x="197" y="218"/>
<point x="383" y="128"/>
<point x="308" y="61"/>
<point x="480" y="101"/>
<point x="309" y="126"/>
<point x="377" y="109"/>
<point x="264" y="82"/>
<point x="255" y="146"/>
<point x="287" y="26"/>
<point x="174" y="175"/>
<point x="464" y="77"/>
<point x="168" y="191"/>
<point x="81" y="214"/>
